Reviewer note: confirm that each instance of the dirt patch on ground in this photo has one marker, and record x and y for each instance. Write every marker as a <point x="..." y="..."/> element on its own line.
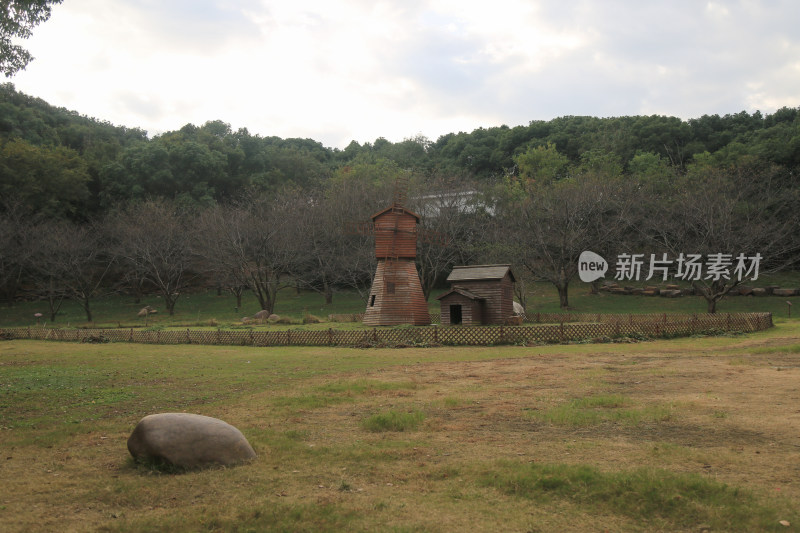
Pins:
<point x="733" y="415"/>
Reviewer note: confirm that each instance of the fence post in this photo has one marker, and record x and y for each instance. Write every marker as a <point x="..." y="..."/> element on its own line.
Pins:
<point x="288" y="336"/>
<point x="375" y="335"/>
<point x="561" y="331"/>
<point x="436" y="334"/>
<point x="502" y="333"/>
<point x="728" y="323"/>
<point x="330" y="336"/>
<point x="188" y="338"/>
<point x="29" y="332"/>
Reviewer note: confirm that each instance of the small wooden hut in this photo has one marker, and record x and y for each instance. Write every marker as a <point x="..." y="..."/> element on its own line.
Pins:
<point x="480" y="294"/>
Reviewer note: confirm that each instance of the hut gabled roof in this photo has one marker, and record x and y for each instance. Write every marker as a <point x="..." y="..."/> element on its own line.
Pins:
<point x="480" y="272"/>
<point x="463" y="292"/>
<point x="398" y="207"/>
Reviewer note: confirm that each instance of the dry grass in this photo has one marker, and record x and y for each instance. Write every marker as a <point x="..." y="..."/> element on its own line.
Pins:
<point x="720" y="412"/>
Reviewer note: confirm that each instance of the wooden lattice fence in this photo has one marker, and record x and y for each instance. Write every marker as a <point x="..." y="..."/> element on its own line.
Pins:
<point x="561" y="328"/>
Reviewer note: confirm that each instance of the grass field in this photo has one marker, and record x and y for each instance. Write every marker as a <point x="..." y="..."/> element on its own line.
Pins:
<point x="207" y="309"/>
<point x="696" y="434"/>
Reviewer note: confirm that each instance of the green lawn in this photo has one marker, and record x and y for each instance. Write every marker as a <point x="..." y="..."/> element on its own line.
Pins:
<point x="684" y="435"/>
<point x="207" y="309"/>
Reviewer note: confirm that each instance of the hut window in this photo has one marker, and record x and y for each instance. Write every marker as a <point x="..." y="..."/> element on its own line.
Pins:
<point x="372" y="301"/>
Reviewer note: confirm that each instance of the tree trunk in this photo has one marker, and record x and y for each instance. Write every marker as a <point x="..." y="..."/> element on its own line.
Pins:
<point x="563" y="296"/>
<point x="562" y="284"/>
<point x="712" y="305"/>
<point x="237" y="292"/>
<point x="169" y="302"/>
<point x="519" y="292"/>
<point x="87" y="308"/>
<point x="328" y="293"/>
<point x="595" y="287"/>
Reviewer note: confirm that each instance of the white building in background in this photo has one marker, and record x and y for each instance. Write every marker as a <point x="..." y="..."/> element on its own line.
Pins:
<point x="463" y="201"/>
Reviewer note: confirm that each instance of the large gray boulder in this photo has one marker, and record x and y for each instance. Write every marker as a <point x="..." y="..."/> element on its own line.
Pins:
<point x="190" y="441"/>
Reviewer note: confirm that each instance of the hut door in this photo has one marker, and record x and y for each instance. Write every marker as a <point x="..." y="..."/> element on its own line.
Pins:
<point x="455" y="314"/>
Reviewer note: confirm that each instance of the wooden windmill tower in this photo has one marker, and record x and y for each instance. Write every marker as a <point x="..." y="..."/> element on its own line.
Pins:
<point x="396" y="296"/>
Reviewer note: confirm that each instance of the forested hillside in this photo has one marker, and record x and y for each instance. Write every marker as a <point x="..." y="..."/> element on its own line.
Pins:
<point x="62" y="164"/>
<point x="89" y="207"/>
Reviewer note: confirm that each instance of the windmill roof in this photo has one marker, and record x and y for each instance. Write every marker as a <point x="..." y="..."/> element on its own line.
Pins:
<point x="463" y="292"/>
<point x="480" y="272"/>
<point x="399" y="207"/>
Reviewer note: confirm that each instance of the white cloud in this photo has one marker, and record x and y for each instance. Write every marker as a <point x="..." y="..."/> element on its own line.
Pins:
<point x="336" y="70"/>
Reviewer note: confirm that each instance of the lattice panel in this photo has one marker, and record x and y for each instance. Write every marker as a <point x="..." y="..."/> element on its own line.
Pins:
<point x="572" y="327"/>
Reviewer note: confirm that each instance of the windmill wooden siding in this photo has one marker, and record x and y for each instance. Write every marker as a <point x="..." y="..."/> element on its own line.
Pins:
<point x="491" y="285"/>
<point x="395" y="233"/>
<point x="396" y="295"/>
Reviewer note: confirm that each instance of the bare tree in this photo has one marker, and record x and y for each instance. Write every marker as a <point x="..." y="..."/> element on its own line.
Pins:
<point x="254" y="244"/>
<point x="452" y="213"/>
<point x="736" y="222"/>
<point x="47" y="266"/>
<point x="87" y="263"/>
<point x="217" y="230"/>
<point x="546" y="227"/>
<point x="68" y="261"/>
<point x="337" y="246"/>
<point x="16" y="229"/>
<point x="154" y="239"/>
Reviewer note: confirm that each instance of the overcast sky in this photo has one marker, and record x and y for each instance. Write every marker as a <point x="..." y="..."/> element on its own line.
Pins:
<point x="342" y="70"/>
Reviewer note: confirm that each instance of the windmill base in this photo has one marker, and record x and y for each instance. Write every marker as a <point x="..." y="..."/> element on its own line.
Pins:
<point x="396" y="296"/>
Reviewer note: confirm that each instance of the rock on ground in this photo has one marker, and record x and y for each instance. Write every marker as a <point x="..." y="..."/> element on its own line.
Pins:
<point x="189" y="441"/>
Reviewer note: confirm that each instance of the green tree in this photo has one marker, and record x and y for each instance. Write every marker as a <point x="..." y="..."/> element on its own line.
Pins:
<point x="48" y="180"/>
<point x="17" y="20"/>
<point x="542" y="164"/>
<point x="653" y="170"/>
